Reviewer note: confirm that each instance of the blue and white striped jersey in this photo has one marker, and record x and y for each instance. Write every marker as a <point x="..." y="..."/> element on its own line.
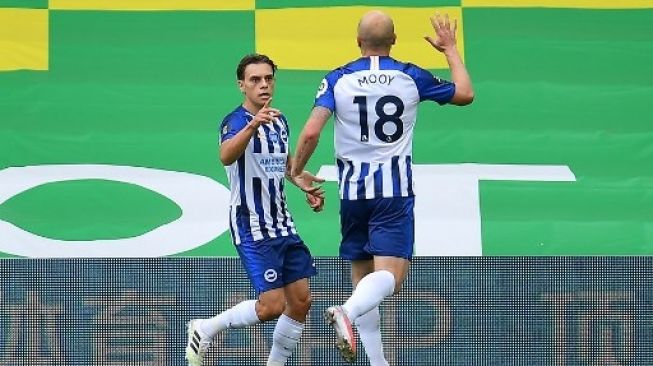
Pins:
<point x="374" y="100"/>
<point x="258" y="203"/>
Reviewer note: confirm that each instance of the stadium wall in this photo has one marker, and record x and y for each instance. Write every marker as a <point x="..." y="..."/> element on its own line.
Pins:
<point x="494" y="311"/>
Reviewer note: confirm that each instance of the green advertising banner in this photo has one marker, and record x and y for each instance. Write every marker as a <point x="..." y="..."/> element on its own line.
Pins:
<point x="109" y="115"/>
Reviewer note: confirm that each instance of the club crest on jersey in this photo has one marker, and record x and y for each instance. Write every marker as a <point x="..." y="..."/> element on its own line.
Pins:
<point x="274" y="137"/>
<point x="284" y="136"/>
<point x="270" y="275"/>
<point x="322" y="89"/>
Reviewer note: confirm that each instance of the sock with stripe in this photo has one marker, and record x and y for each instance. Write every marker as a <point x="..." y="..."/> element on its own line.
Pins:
<point x="284" y="340"/>
<point x="369" y="293"/>
<point x="369" y="330"/>
<point x="239" y="316"/>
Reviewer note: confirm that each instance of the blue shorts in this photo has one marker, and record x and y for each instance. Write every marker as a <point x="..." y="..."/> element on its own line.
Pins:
<point x="380" y="226"/>
<point x="276" y="262"/>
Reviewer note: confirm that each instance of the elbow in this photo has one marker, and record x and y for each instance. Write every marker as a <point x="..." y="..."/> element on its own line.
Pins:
<point x="225" y="159"/>
<point x="468" y="98"/>
<point x="463" y="98"/>
<point x="311" y="136"/>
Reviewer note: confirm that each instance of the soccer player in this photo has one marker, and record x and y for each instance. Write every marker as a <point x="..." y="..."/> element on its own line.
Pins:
<point x="374" y="99"/>
<point x="254" y="149"/>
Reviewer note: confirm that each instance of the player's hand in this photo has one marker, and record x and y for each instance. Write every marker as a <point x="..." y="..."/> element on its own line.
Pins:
<point x="445" y="33"/>
<point x="309" y="183"/>
<point x="267" y="114"/>
<point x="316" y="203"/>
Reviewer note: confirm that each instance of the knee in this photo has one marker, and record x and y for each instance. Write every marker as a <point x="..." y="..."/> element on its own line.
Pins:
<point x="300" y="307"/>
<point x="392" y="277"/>
<point x="389" y="280"/>
<point x="270" y="310"/>
<point x="304" y="304"/>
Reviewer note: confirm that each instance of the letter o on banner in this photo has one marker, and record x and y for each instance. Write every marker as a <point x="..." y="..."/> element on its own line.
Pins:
<point x="203" y="203"/>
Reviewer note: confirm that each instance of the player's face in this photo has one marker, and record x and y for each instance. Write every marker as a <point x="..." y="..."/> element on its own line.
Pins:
<point x="258" y="83"/>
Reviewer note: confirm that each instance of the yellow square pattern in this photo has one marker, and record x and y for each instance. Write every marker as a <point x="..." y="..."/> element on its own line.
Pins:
<point x="582" y="4"/>
<point x="325" y="38"/>
<point x="297" y="38"/>
<point x="152" y="5"/>
<point x="23" y="39"/>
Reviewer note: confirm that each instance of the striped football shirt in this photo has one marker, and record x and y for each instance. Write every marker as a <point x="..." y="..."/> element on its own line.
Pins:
<point x="374" y="101"/>
<point x="258" y="207"/>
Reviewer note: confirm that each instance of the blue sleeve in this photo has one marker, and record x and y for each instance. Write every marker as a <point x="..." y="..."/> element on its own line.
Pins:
<point x="231" y="125"/>
<point x="325" y="97"/>
<point x="430" y="86"/>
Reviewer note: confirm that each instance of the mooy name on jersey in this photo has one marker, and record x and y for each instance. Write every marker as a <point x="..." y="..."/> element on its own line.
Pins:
<point x="375" y="79"/>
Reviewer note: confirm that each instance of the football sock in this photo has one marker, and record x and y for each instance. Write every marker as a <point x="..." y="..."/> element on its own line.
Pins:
<point x="369" y="330"/>
<point x="239" y="316"/>
<point x="284" y="340"/>
<point x="369" y="293"/>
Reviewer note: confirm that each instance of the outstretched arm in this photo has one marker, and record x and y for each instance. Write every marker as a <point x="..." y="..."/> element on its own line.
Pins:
<point x="445" y="42"/>
<point x="233" y="148"/>
<point x="309" y="139"/>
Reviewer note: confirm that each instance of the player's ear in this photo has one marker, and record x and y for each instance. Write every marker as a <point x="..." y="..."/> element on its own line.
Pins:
<point x="358" y="41"/>
<point x="241" y="86"/>
<point x="394" y="39"/>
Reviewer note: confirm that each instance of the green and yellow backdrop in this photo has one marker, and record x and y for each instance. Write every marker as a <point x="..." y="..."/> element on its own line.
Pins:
<point x="109" y="114"/>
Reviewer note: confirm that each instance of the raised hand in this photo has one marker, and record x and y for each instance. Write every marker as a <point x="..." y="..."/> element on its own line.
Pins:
<point x="266" y="114"/>
<point x="445" y="33"/>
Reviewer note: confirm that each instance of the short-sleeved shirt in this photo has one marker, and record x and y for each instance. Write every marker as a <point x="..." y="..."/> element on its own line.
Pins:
<point x="258" y="202"/>
<point x="374" y="100"/>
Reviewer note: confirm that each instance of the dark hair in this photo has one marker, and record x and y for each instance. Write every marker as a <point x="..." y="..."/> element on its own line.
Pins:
<point x="254" y="58"/>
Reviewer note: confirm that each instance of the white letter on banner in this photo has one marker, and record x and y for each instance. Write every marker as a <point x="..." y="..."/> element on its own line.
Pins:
<point x="448" y="213"/>
<point x="202" y="201"/>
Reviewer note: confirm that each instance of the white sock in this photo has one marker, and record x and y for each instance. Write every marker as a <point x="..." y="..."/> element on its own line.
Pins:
<point x="239" y="316"/>
<point x="369" y="293"/>
<point x="284" y="340"/>
<point x="369" y="330"/>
